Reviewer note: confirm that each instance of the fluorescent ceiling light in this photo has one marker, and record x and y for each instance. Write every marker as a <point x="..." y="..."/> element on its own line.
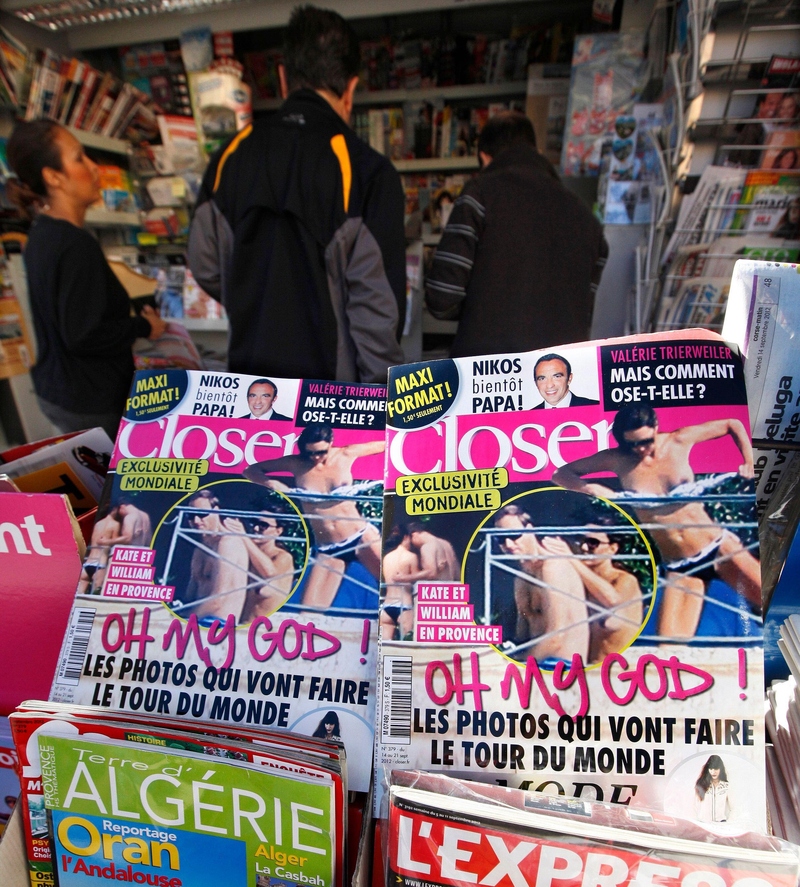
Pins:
<point x="62" y="14"/>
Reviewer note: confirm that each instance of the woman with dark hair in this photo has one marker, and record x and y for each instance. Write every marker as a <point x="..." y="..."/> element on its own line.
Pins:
<point x="328" y="727"/>
<point x="81" y="312"/>
<point x="788" y="158"/>
<point x="712" y="802"/>
<point x="788" y="226"/>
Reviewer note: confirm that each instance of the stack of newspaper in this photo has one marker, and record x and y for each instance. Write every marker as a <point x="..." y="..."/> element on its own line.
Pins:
<point x="783" y="756"/>
<point x="231" y="586"/>
<point x="160" y="801"/>
<point x="763" y="320"/>
<point x="448" y="832"/>
<point x="732" y="214"/>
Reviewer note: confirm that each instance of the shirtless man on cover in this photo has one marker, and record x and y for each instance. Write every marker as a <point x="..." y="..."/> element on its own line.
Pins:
<point x="135" y="526"/>
<point x="694" y="547"/>
<point x="615" y="591"/>
<point x="401" y="569"/>
<point x="105" y="530"/>
<point x="552" y="608"/>
<point x="437" y="557"/>
<point x="340" y="531"/>
<point x="218" y="582"/>
<point x="267" y="560"/>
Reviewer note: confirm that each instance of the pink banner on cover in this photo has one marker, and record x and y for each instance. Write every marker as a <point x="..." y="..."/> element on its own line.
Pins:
<point x="531" y="445"/>
<point x="468" y="633"/>
<point x="229" y="445"/>
<point x="138" y="591"/>
<point x="132" y="554"/>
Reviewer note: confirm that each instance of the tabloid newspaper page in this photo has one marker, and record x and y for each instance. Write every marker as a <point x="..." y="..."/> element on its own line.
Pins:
<point x="444" y="835"/>
<point x="571" y="586"/>
<point x="233" y="571"/>
<point x="763" y="319"/>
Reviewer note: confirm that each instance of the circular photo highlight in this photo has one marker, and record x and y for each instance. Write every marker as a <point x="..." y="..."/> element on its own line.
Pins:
<point x="562" y="573"/>
<point x="231" y="548"/>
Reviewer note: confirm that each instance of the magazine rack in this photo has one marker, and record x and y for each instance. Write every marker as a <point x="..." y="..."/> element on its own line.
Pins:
<point x="714" y="91"/>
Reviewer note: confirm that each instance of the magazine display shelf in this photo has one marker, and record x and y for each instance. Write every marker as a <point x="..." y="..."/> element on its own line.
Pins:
<point x="100" y="218"/>
<point x="436" y="164"/>
<point x="101" y="143"/>
<point x="741" y="35"/>
<point x="729" y="77"/>
<point x="446" y="93"/>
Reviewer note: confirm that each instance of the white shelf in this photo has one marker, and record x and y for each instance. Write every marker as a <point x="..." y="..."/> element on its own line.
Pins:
<point x="229" y="17"/>
<point x="436" y="164"/>
<point x="468" y="91"/>
<point x="101" y="143"/>
<point x="398" y="96"/>
<point x="204" y="324"/>
<point x="105" y="219"/>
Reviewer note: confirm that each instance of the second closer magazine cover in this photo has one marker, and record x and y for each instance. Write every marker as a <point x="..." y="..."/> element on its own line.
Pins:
<point x="573" y="604"/>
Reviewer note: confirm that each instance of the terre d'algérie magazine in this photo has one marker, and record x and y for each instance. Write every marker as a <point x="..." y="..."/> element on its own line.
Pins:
<point x="124" y="811"/>
<point x="289" y="755"/>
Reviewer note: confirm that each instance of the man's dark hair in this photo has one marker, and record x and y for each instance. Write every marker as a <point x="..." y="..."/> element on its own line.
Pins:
<point x="630" y="418"/>
<point x="505" y="130"/>
<point x="514" y="511"/>
<point x="552" y="356"/>
<point x="605" y="523"/>
<point x="395" y="538"/>
<point x="263" y="382"/>
<point x="416" y="526"/>
<point x="314" y="433"/>
<point x="203" y="494"/>
<point x="320" y="50"/>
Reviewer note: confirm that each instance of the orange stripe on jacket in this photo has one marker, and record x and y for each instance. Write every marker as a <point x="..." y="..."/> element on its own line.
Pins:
<point x="229" y="150"/>
<point x="339" y="147"/>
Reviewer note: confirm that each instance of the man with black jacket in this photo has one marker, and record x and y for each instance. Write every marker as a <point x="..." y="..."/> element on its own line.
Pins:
<point x="298" y="229"/>
<point x="521" y="257"/>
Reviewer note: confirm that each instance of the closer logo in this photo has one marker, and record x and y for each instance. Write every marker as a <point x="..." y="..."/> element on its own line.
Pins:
<point x="28" y="530"/>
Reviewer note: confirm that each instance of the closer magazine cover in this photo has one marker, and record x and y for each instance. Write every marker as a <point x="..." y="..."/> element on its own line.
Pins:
<point x="232" y="575"/>
<point x="571" y="584"/>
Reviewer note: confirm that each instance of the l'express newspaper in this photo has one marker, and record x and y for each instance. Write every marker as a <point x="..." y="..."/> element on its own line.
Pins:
<point x="233" y="570"/>
<point x="452" y="832"/>
<point x="572" y="592"/>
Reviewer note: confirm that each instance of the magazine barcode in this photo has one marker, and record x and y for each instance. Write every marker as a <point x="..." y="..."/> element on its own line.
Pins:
<point x="396" y="718"/>
<point x="78" y="634"/>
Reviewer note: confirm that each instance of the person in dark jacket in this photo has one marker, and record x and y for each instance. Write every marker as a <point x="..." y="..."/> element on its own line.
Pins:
<point x="521" y="257"/>
<point x="81" y="312"/>
<point x="298" y="229"/>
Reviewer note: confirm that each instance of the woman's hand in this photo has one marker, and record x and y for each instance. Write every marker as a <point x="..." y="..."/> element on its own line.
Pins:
<point x="157" y="323"/>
